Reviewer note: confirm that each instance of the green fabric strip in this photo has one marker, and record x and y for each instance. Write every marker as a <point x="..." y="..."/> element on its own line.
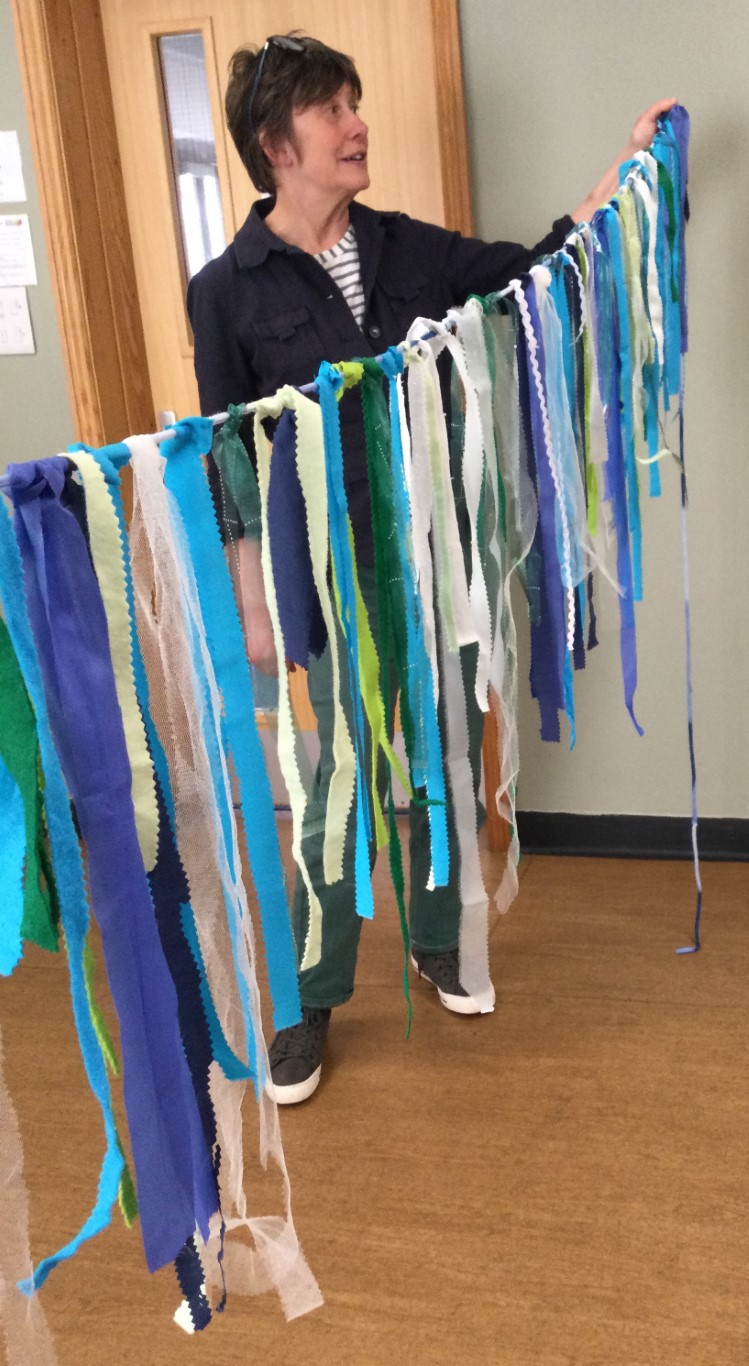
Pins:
<point x="375" y="658"/>
<point x="238" y="478"/>
<point x="391" y="607"/>
<point x="374" y="707"/>
<point x="127" y="1198"/>
<point x="19" y="750"/>
<point x="97" y="1019"/>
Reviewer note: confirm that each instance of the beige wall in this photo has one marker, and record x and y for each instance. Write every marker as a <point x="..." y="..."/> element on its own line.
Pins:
<point x="35" y="415"/>
<point x="552" y="92"/>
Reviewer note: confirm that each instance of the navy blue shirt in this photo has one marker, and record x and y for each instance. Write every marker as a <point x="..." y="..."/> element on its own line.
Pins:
<point x="265" y="313"/>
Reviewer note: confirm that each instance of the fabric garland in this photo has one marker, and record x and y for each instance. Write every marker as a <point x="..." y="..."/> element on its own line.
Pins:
<point x="122" y="667"/>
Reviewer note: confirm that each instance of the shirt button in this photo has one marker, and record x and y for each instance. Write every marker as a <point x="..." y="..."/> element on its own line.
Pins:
<point x="374" y="331"/>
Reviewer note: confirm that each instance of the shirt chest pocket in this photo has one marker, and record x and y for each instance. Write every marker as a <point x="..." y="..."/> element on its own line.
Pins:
<point x="287" y="347"/>
<point x="408" y="297"/>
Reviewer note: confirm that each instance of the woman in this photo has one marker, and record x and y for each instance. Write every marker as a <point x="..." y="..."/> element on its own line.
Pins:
<point x="312" y="276"/>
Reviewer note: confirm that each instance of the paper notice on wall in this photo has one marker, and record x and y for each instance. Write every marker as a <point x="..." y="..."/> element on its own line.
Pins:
<point x="12" y="188"/>
<point x="17" y="264"/>
<point x="16" y="335"/>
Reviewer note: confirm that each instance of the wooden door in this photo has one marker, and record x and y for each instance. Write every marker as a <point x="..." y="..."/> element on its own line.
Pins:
<point x="408" y="56"/>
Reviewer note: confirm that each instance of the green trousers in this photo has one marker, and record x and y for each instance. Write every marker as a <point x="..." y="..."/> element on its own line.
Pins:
<point x="434" y="916"/>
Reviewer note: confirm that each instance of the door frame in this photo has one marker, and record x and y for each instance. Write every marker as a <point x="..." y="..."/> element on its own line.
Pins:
<point x="77" y="163"/>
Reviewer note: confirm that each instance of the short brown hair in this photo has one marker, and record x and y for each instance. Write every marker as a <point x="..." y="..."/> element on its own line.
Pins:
<point x="290" y="80"/>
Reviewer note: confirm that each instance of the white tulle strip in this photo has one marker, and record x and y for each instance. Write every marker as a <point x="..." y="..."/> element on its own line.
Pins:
<point x="24" y="1326"/>
<point x="430" y="475"/>
<point x="172" y="634"/>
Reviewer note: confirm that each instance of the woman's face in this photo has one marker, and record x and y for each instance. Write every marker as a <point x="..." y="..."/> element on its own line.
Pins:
<point x="328" y="151"/>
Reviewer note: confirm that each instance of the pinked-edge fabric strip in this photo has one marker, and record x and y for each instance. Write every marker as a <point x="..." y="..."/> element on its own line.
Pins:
<point x="72" y="899"/>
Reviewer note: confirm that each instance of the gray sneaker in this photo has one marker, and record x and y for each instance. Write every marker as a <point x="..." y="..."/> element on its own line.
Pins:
<point x="295" y="1057"/>
<point x="443" y="971"/>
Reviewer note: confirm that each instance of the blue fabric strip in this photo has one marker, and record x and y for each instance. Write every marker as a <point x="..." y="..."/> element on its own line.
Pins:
<point x="548" y="656"/>
<point x="232" y="1067"/>
<point x="191" y="1277"/>
<point x="72" y="896"/>
<point x="299" y="610"/>
<point x="168" y="883"/>
<point x="614" y="471"/>
<point x="175" y="1183"/>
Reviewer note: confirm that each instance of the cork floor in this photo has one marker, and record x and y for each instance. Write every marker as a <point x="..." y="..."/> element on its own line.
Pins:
<point x="564" y="1181"/>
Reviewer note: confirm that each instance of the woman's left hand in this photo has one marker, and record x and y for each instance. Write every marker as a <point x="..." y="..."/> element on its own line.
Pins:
<point x="645" y="129"/>
<point x="640" y="138"/>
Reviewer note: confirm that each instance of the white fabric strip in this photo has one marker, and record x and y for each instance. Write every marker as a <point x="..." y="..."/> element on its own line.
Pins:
<point x="286" y="740"/>
<point x="171" y="627"/>
<point x="474" y="949"/>
<point x="604" y="540"/>
<point x="452" y="584"/>
<point x="649" y="198"/>
<point x="474" y="902"/>
<point x="419" y="477"/>
<point x="165" y="625"/>
<point x="520" y="524"/>
<point x="571" y="483"/>
<point x="311" y="471"/>
<point x="475" y="446"/>
<point x="550" y="454"/>
<point x="24" y="1326"/>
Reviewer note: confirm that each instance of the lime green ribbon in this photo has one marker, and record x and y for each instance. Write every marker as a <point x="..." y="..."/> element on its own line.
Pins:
<point x="126" y="1196"/>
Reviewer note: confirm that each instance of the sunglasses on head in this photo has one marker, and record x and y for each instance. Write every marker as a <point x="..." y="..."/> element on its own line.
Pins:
<point x="289" y="45"/>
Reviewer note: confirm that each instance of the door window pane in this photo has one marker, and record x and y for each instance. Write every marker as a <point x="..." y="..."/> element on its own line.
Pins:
<point x="193" y="147"/>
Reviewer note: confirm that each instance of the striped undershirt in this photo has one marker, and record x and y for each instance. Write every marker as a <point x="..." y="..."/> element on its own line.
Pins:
<point x="342" y="265"/>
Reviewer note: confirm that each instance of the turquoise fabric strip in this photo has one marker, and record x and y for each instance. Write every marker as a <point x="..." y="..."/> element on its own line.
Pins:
<point x="12" y="860"/>
<point x="625" y="395"/>
<point x="232" y="1067"/>
<point x="186" y="479"/>
<point x="72" y="894"/>
<point x="214" y="743"/>
<point x="430" y="772"/>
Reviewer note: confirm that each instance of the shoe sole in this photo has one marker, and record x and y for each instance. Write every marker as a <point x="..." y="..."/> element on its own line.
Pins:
<point x="459" y="1005"/>
<point x="298" y="1091"/>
